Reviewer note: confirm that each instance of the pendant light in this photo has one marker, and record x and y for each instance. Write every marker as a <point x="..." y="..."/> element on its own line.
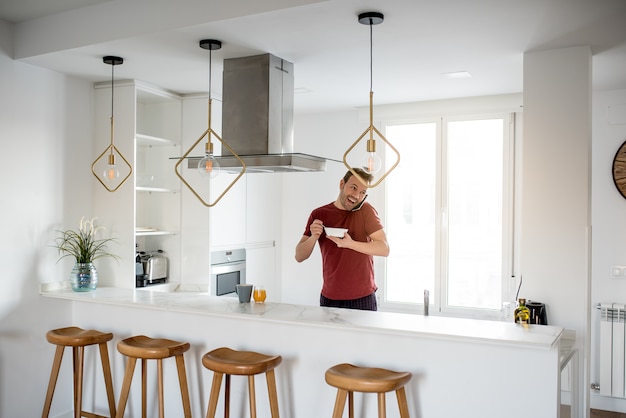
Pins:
<point x="109" y="177"/>
<point x="370" y="161"/>
<point x="208" y="167"/>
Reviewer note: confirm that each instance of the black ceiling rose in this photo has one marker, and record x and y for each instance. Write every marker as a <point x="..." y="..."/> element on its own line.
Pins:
<point x="371" y="18"/>
<point x="210" y="44"/>
<point x="112" y="60"/>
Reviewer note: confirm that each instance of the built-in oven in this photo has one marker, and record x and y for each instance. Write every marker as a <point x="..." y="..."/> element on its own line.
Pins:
<point x="228" y="269"/>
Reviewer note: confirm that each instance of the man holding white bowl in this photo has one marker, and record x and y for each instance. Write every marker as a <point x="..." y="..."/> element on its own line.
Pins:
<point x="350" y="234"/>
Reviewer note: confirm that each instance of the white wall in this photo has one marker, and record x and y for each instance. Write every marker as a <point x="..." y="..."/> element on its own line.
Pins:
<point x="45" y="134"/>
<point x="609" y="225"/>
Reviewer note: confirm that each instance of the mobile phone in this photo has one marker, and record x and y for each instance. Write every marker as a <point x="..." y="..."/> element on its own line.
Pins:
<point x="357" y="207"/>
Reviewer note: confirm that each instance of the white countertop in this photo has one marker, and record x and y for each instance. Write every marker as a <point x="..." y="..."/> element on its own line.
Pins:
<point x="479" y="331"/>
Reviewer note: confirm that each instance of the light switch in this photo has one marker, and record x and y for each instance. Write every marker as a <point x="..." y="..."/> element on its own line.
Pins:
<point x="617" y="272"/>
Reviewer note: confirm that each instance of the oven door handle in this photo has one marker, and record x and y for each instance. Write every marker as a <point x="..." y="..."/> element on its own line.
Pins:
<point x="227" y="267"/>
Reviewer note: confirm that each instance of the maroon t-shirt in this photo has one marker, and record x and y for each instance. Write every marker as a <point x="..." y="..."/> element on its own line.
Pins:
<point x="348" y="274"/>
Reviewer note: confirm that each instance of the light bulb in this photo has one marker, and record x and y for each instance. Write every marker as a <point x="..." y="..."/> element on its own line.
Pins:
<point x="111" y="173"/>
<point x="208" y="166"/>
<point x="371" y="163"/>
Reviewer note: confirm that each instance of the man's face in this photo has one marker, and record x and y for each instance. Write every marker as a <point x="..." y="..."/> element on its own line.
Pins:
<point x="351" y="193"/>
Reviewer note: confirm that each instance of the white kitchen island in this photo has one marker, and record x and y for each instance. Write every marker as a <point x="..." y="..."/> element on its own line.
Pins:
<point x="460" y="367"/>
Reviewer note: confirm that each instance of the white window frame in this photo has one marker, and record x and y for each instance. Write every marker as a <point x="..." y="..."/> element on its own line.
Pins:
<point x="438" y="304"/>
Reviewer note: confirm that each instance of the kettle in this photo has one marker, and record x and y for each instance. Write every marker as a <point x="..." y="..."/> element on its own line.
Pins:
<point x="538" y="313"/>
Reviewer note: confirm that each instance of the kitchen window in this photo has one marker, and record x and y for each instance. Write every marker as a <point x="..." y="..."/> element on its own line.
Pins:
<point x="449" y="216"/>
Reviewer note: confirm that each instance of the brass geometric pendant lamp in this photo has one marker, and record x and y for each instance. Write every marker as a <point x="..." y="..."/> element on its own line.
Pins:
<point x="109" y="177"/>
<point x="208" y="167"/>
<point x="370" y="161"/>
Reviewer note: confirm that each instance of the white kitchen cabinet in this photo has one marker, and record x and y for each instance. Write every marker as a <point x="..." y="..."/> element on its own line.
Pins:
<point x="263" y="231"/>
<point x="263" y="206"/>
<point x="261" y="268"/>
<point x="222" y="226"/>
<point x="247" y="216"/>
<point x="145" y="213"/>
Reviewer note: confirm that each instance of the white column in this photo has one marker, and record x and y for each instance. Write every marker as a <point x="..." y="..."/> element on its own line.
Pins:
<point x="556" y="189"/>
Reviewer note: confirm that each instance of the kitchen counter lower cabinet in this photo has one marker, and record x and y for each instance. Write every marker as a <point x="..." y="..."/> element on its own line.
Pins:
<point x="460" y="367"/>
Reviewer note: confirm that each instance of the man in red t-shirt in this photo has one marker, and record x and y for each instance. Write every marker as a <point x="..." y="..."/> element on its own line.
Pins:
<point x="348" y="262"/>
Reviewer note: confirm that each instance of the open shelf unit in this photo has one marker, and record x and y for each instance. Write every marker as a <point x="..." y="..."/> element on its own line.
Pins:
<point x="157" y="189"/>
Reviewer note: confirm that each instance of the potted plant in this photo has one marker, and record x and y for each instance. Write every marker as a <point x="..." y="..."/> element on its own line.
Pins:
<point x="85" y="247"/>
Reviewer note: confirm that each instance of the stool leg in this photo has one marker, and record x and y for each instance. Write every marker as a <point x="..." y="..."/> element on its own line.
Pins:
<point x="184" y="388"/>
<point x="128" y="376"/>
<point x="78" y="356"/>
<point x="252" y="395"/>
<point x="160" y="387"/>
<point x="227" y="397"/>
<point x="402" y="404"/>
<point x="271" y="390"/>
<point x="382" y="407"/>
<point x="350" y="404"/>
<point x="215" y="392"/>
<point x="340" y="403"/>
<point x="108" y="380"/>
<point x="144" y="390"/>
<point x="54" y="374"/>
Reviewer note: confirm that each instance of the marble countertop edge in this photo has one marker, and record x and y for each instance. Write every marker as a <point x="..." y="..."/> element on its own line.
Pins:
<point x="454" y="329"/>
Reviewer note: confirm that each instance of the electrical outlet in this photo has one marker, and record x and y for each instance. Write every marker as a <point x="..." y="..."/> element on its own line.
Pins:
<point x="507" y="310"/>
<point x="618" y="272"/>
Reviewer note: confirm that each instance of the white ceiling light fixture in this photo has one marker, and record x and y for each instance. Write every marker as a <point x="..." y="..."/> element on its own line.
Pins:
<point x="109" y="177"/>
<point x="457" y="74"/>
<point x="371" y="162"/>
<point x="208" y="167"/>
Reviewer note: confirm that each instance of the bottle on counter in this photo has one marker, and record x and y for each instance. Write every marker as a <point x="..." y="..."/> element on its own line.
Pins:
<point x="522" y="313"/>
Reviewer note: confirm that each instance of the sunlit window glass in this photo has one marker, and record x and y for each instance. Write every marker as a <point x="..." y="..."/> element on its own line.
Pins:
<point x="474" y="168"/>
<point x="410" y="223"/>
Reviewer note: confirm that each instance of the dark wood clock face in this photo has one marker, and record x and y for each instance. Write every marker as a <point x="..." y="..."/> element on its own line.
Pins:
<point x="619" y="169"/>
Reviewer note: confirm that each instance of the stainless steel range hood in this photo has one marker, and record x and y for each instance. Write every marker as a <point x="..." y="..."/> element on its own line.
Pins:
<point x="257" y="117"/>
<point x="269" y="163"/>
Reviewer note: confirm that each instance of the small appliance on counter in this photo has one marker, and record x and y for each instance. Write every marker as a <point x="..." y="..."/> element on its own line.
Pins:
<point x="151" y="267"/>
<point x="538" y="314"/>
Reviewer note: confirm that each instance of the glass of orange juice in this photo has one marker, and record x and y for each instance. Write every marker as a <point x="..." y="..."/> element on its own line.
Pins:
<point x="259" y="294"/>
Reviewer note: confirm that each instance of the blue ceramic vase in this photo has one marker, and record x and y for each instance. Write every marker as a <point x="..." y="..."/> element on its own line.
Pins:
<point x="84" y="277"/>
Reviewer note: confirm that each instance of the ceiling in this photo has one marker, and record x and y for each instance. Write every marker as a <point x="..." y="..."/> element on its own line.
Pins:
<point x="418" y="42"/>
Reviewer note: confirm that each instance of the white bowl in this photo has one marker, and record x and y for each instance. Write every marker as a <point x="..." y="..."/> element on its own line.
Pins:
<point x="335" y="232"/>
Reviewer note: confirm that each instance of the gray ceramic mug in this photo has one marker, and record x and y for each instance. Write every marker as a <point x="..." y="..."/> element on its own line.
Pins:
<point x="244" y="291"/>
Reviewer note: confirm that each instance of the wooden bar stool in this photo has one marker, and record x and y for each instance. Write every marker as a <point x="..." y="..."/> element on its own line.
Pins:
<point x="146" y="348"/>
<point x="225" y="361"/>
<point x="78" y="339"/>
<point x="348" y="379"/>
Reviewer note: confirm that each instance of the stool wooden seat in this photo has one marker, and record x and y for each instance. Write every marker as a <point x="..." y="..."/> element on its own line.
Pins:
<point x="146" y="348"/>
<point x="78" y="339"/>
<point x="348" y="379"/>
<point x="225" y="361"/>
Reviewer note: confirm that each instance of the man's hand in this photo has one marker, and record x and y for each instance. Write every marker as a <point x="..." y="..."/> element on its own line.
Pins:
<point x="342" y="242"/>
<point x="316" y="227"/>
<point x="377" y="245"/>
<point x="307" y="243"/>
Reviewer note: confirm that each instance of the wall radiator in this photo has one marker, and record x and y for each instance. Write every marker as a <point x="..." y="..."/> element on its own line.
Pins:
<point x="612" y="350"/>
